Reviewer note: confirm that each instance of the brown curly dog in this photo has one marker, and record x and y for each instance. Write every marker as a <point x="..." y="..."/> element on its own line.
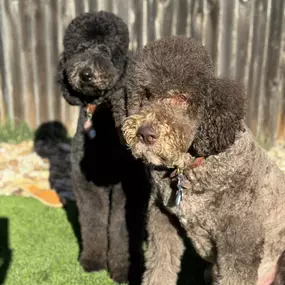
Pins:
<point x="189" y="126"/>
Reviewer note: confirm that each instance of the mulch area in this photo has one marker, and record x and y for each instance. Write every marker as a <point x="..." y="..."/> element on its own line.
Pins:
<point x="41" y="170"/>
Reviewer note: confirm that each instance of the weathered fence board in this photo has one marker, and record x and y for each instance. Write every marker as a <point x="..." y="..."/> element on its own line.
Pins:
<point x="246" y="39"/>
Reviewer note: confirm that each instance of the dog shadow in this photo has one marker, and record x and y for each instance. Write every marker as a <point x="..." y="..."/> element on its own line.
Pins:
<point x="51" y="142"/>
<point x="5" y="251"/>
<point x="192" y="266"/>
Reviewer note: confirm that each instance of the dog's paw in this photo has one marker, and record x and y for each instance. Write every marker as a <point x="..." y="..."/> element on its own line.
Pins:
<point x="119" y="275"/>
<point x="92" y="265"/>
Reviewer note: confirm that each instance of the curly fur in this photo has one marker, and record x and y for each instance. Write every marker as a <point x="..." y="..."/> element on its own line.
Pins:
<point x="107" y="180"/>
<point x="232" y="207"/>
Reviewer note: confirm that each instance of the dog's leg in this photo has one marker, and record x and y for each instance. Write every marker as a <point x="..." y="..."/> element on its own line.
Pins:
<point x="239" y="251"/>
<point x="118" y="252"/>
<point x="279" y="278"/>
<point x="165" y="249"/>
<point x="93" y="208"/>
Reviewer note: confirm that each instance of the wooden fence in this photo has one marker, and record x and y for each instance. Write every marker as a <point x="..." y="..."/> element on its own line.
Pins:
<point x="245" y="38"/>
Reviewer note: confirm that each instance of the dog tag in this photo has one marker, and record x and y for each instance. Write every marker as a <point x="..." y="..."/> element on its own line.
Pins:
<point x="92" y="134"/>
<point x="179" y="190"/>
<point x="178" y="197"/>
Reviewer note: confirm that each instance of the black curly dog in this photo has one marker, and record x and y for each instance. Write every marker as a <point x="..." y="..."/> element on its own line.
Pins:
<point x="111" y="188"/>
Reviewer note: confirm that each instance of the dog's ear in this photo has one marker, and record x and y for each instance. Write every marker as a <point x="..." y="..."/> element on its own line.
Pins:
<point x="222" y="118"/>
<point x="67" y="92"/>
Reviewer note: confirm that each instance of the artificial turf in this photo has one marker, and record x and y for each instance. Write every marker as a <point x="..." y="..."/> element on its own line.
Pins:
<point x="43" y="246"/>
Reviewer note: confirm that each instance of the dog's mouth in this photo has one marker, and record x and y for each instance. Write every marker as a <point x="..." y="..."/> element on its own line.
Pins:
<point x="178" y="159"/>
<point x="152" y="159"/>
<point x="156" y="155"/>
<point x="148" y="156"/>
<point x="148" y="152"/>
<point x="102" y="85"/>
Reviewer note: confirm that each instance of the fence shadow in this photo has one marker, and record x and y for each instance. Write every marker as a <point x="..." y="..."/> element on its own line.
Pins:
<point x="51" y="142"/>
<point x="5" y="251"/>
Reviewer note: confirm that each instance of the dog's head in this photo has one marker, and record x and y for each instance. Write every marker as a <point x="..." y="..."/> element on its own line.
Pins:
<point x="177" y="105"/>
<point x="94" y="56"/>
<point x="92" y="71"/>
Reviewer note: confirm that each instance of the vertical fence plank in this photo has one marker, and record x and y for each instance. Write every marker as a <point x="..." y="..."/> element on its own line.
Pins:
<point x="69" y="13"/>
<point x="3" y="99"/>
<point x="271" y="75"/>
<point x="245" y="38"/>
<point x="40" y="61"/>
<point x="134" y="25"/>
<point x="189" y="18"/>
<point x="32" y="44"/>
<point x="23" y="94"/>
<point x="104" y="5"/>
<point x="59" y="41"/>
<point x="257" y="64"/>
<point x="266" y="8"/>
<point x="280" y="131"/>
<point x="7" y="68"/>
<point x="234" y="38"/>
<point x="54" y="56"/>
<point x="220" y="38"/>
<point x="246" y="54"/>
<point x="48" y="57"/>
<point x="164" y="20"/>
<point x="2" y="105"/>
<point x="91" y="6"/>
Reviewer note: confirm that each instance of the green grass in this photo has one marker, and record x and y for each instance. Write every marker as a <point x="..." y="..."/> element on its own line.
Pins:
<point x="15" y="133"/>
<point x="44" y="247"/>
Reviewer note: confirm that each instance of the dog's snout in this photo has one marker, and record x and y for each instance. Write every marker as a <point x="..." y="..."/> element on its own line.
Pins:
<point x="147" y="134"/>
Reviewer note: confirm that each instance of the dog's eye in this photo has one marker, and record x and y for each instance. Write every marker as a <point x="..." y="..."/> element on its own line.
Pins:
<point x="181" y="98"/>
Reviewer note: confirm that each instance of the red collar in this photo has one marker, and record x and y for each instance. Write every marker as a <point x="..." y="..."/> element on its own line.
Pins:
<point x="195" y="163"/>
<point x="90" y="109"/>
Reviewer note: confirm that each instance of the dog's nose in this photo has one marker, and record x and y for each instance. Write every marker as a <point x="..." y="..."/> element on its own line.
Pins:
<point x="86" y="75"/>
<point x="147" y="134"/>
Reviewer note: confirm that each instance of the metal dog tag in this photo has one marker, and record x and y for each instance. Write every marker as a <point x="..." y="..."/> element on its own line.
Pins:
<point x="178" y="198"/>
<point x="179" y="192"/>
<point x="92" y="134"/>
